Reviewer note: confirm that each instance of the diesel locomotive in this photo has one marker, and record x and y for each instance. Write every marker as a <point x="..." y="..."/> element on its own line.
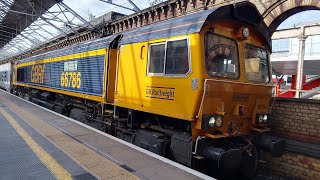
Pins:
<point x="195" y="89"/>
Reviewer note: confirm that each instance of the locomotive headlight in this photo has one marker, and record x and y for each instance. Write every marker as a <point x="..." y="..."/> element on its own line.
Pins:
<point x="212" y="122"/>
<point x="219" y="121"/>
<point x="262" y="118"/>
<point x="265" y="118"/>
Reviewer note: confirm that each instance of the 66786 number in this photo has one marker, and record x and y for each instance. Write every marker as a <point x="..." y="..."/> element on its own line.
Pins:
<point x="71" y="79"/>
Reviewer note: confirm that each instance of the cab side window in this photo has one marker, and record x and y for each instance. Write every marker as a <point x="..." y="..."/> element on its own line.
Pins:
<point x="177" y="57"/>
<point x="169" y="58"/>
<point x="156" y="58"/>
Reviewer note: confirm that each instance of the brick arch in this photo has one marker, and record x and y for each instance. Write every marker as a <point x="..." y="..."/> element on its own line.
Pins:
<point x="282" y="9"/>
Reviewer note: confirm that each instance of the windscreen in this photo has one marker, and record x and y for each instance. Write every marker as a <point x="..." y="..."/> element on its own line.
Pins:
<point x="256" y="63"/>
<point x="221" y="56"/>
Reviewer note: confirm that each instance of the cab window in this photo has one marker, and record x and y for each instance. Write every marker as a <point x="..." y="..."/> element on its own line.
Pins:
<point x="156" y="58"/>
<point x="169" y="58"/>
<point x="256" y="63"/>
<point x="177" y="61"/>
<point x="221" y="56"/>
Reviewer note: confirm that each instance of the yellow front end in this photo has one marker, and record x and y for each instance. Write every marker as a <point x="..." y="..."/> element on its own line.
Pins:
<point x="236" y="97"/>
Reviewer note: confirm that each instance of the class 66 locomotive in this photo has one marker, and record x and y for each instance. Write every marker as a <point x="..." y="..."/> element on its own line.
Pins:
<point x="195" y="89"/>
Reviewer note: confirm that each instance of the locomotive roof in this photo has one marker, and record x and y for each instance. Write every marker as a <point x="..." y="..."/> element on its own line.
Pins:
<point x="192" y="23"/>
<point x="182" y="25"/>
<point x="77" y="48"/>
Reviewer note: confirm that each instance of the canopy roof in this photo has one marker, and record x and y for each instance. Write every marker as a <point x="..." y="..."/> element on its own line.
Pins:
<point x="16" y="15"/>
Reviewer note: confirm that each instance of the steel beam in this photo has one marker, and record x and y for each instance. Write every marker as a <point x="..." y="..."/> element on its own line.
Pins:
<point x="54" y="26"/>
<point x="86" y="23"/>
<point x="39" y="26"/>
<point x="296" y="32"/>
<point x="18" y="12"/>
<point x="135" y="8"/>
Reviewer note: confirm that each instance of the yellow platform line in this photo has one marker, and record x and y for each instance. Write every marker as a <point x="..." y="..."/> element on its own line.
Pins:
<point x="56" y="169"/>
<point x="92" y="162"/>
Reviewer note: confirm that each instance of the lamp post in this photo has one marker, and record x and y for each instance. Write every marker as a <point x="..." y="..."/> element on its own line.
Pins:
<point x="302" y="39"/>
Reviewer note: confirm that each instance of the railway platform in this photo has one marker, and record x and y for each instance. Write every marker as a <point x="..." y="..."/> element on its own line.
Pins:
<point x="36" y="143"/>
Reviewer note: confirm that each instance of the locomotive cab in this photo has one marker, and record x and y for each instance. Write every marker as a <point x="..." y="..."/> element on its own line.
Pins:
<point x="234" y="111"/>
<point x="206" y="75"/>
<point x="236" y="81"/>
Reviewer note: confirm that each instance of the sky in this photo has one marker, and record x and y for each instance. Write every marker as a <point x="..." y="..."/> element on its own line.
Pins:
<point x="98" y="8"/>
<point x="304" y="16"/>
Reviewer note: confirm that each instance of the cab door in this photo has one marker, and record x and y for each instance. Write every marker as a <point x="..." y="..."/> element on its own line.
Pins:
<point x="112" y="68"/>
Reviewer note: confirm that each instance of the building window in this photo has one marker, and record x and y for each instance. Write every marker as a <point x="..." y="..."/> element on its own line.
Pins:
<point x="280" y="45"/>
<point x="169" y="58"/>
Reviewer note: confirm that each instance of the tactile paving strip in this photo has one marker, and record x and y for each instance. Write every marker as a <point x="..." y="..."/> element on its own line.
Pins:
<point x="91" y="161"/>
<point x="55" y="168"/>
<point x="17" y="161"/>
<point x="65" y="161"/>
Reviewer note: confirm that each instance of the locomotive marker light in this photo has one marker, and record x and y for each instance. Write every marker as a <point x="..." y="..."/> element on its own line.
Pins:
<point x="219" y="121"/>
<point x="260" y="119"/>
<point x="245" y="32"/>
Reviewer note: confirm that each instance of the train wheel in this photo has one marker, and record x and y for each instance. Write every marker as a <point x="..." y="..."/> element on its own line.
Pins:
<point x="77" y="114"/>
<point x="27" y="97"/>
<point x="20" y="94"/>
<point x="249" y="164"/>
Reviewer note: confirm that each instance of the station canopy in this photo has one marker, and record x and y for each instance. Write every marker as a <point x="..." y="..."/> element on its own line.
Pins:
<point x="17" y="15"/>
<point x="26" y="24"/>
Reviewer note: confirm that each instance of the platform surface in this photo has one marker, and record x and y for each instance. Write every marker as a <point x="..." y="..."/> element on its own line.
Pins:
<point x="36" y="143"/>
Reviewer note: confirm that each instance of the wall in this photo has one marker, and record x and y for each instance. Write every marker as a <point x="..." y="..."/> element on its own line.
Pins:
<point x="299" y="121"/>
<point x="293" y="166"/>
<point x="296" y="119"/>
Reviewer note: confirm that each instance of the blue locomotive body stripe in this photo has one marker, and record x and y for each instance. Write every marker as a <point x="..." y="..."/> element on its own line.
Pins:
<point x="91" y="70"/>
